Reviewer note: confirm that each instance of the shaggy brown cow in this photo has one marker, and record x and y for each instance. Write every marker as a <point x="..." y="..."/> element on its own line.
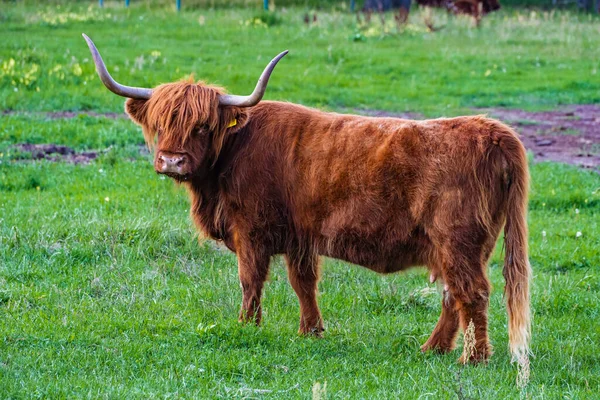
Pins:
<point x="272" y="178"/>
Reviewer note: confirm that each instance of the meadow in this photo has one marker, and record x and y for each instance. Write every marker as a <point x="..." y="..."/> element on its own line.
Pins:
<point x="106" y="291"/>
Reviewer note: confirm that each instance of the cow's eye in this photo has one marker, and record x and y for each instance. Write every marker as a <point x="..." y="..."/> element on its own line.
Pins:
<point x="200" y="128"/>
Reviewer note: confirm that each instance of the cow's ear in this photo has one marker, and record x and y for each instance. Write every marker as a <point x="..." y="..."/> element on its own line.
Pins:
<point x="233" y="118"/>
<point x="136" y="109"/>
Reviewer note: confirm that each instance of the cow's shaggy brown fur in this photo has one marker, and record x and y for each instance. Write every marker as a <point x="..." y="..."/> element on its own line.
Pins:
<point x="384" y="193"/>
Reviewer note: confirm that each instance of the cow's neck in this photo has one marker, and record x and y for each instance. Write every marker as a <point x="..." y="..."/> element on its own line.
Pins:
<point x="205" y="198"/>
<point x="208" y="191"/>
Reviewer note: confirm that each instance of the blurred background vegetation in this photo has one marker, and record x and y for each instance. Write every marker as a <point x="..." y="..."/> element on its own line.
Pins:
<point x="313" y="4"/>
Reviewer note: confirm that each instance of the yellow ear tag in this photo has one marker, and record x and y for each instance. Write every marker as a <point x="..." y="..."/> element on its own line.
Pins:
<point x="232" y="123"/>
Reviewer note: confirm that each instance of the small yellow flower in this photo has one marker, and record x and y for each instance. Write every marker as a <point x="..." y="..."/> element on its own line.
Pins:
<point x="77" y="71"/>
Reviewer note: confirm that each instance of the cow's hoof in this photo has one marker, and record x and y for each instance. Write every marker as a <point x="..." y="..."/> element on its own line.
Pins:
<point x="472" y="360"/>
<point x="480" y="356"/>
<point x="246" y="318"/>
<point x="436" y="348"/>
<point x="314" y="332"/>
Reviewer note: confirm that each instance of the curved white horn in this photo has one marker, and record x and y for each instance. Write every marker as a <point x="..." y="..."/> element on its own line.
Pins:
<point x="259" y="90"/>
<point x="109" y="82"/>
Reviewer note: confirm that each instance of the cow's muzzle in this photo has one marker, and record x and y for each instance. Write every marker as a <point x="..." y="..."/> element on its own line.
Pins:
<point x="174" y="165"/>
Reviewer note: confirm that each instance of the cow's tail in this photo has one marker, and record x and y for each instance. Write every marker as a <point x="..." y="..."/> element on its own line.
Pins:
<point x="517" y="271"/>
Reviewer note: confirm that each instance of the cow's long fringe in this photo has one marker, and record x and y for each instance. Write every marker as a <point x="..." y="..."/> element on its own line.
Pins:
<point x="176" y="111"/>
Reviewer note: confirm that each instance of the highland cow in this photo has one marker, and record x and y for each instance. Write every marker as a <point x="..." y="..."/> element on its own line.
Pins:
<point x="268" y="178"/>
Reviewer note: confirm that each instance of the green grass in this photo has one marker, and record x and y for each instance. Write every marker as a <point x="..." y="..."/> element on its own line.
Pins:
<point x="105" y="291"/>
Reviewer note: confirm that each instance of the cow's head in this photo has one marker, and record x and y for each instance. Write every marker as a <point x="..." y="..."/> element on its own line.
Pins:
<point x="185" y="122"/>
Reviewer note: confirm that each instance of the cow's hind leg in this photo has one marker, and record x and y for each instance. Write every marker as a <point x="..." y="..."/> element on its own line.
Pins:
<point x="471" y="290"/>
<point x="466" y="279"/>
<point x="303" y="273"/>
<point x="443" y="337"/>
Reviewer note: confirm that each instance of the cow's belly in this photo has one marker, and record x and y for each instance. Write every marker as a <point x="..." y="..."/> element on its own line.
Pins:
<point x="379" y="253"/>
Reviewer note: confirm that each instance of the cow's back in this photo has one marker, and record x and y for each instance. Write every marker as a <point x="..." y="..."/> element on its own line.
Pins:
<point x="367" y="190"/>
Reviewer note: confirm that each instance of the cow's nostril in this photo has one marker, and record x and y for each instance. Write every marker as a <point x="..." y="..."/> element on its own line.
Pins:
<point x="167" y="163"/>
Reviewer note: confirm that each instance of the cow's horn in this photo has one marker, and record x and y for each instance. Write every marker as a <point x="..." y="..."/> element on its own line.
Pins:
<point x="109" y="82"/>
<point x="259" y="90"/>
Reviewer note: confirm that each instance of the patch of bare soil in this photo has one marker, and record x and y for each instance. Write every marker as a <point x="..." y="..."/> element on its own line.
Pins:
<point x="568" y="135"/>
<point x="53" y="152"/>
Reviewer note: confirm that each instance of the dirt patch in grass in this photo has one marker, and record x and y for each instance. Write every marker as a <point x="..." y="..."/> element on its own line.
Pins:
<point x="570" y="134"/>
<point x="53" y="152"/>
<point x="24" y="152"/>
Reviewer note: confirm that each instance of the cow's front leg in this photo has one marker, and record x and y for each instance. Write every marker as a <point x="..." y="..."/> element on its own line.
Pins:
<point x="303" y="273"/>
<point x="253" y="267"/>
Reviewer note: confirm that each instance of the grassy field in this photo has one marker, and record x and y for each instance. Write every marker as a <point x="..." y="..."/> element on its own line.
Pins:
<point x="105" y="291"/>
